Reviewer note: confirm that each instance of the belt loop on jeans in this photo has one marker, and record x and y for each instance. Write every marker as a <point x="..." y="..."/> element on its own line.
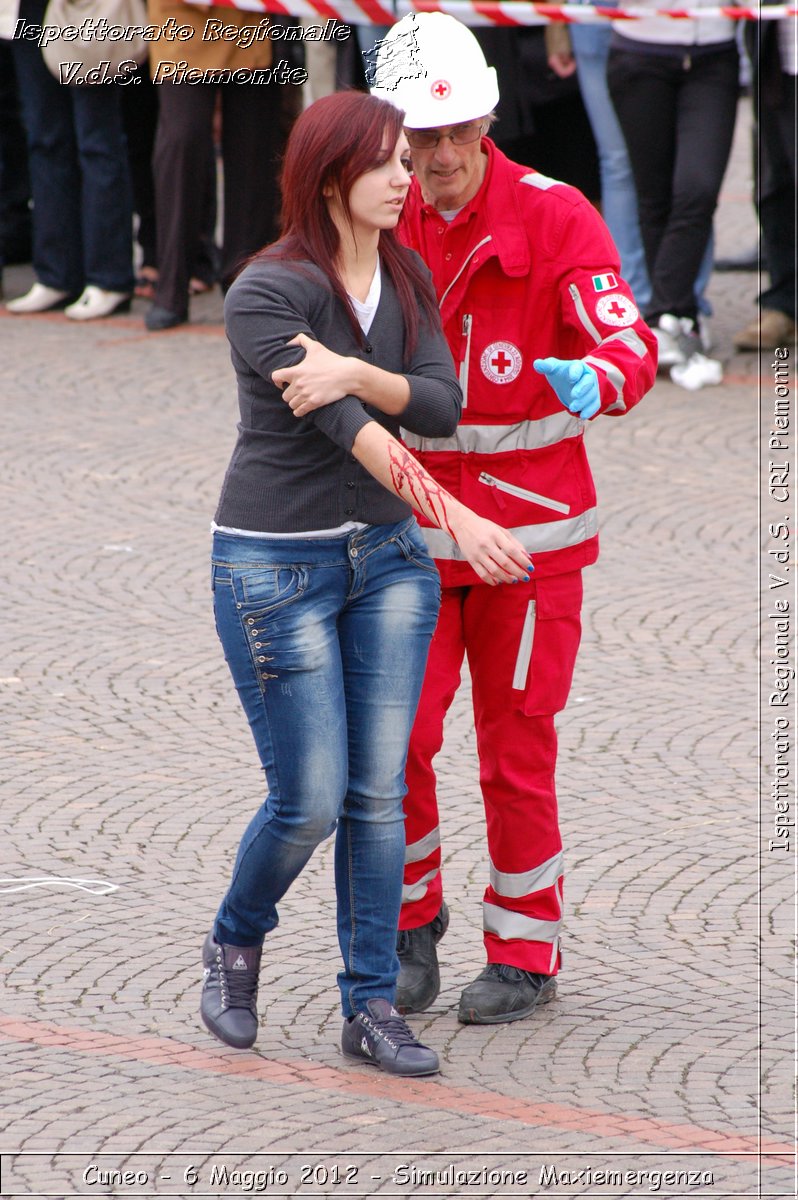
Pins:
<point x="354" y="547"/>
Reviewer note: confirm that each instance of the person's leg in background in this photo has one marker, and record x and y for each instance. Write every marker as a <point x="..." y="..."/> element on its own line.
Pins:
<point x="705" y="115"/>
<point x="55" y="183"/>
<point x="677" y="175"/>
<point x="15" y="214"/>
<point x="205" y="264"/>
<point x="140" y="116"/>
<point x="180" y="159"/>
<point x="777" y="205"/>
<point x="636" y="80"/>
<point x="591" y="44"/>
<point x="774" y="103"/>
<point x="107" y="203"/>
<point x="252" y="140"/>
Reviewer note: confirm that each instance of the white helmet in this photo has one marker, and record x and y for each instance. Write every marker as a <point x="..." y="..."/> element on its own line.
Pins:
<point x="432" y="66"/>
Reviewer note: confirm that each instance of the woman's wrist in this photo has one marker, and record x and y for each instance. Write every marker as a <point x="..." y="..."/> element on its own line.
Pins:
<point x="357" y="377"/>
<point x="457" y="515"/>
<point x="386" y="390"/>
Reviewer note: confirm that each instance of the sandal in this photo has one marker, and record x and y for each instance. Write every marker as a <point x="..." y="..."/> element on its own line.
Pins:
<point x="146" y="282"/>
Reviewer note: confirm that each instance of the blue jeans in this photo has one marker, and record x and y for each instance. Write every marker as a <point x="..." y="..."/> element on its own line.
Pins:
<point x="327" y="641"/>
<point x="82" y="201"/>
<point x="591" y="47"/>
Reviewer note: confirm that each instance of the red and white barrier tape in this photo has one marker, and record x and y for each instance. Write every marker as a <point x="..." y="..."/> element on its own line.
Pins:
<point x="490" y="12"/>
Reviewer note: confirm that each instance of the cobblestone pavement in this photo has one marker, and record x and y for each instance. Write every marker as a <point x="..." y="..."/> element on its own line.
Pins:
<point x="126" y="761"/>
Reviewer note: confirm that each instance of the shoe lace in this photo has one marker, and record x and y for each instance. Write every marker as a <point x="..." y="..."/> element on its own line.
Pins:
<point x="395" y="1031"/>
<point x="239" y="988"/>
<point x="511" y="974"/>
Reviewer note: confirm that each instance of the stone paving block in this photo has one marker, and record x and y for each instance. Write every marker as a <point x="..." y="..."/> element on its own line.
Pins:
<point x="127" y="761"/>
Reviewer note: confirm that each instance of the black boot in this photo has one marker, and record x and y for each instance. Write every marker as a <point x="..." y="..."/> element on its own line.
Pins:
<point x="504" y="993"/>
<point x="230" y="992"/>
<point x="419" y="978"/>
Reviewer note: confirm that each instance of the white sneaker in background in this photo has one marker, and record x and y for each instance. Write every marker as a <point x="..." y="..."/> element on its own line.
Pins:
<point x="698" y="372"/>
<point x="667" y="332"/>
<point x="39" y="299"/>
<point x="684" y="345"/>
<point x="95" y="302"/>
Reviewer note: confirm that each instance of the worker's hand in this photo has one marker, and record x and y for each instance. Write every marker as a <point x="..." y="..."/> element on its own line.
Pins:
<point x="321" y="378"/>
<point x="575" y="383"/>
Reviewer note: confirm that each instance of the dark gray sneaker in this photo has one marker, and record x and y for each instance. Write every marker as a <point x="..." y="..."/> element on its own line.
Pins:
<point x="230" y="992"/>
<point x="379" y="1036"/>
<point x="419" y="977"/>
<point x="504" y="993"/>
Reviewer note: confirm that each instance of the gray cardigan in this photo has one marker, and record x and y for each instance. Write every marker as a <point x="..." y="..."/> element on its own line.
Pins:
<point x="290" y="474"/>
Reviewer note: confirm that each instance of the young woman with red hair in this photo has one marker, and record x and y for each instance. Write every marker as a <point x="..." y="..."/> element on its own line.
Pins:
<point x="324" y="594"/>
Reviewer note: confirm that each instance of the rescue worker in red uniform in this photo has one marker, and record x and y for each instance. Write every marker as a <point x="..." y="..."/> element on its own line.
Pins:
<point x="546" y="336"/>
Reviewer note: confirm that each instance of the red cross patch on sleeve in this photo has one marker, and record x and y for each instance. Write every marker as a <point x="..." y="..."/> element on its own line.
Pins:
<point x="616" y="309"/>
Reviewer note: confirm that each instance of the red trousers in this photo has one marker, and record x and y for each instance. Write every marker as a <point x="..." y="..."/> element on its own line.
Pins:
<point x="521" y="641"/>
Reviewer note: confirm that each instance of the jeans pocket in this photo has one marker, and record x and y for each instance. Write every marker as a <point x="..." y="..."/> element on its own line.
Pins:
<point x="269" y="588"/>
<point x="414" y="548"/>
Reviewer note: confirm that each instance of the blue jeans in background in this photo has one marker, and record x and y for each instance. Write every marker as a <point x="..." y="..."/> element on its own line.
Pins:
<point x="327" y="642"/>
<point x="80" y="183"/>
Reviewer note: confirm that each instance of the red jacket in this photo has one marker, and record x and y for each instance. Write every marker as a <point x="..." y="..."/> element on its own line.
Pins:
<point x="526" y="270"/>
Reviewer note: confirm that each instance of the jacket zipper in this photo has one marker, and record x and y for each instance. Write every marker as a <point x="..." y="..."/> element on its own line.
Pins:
<point x="468" y="258"/>
<point x="524" y="493"/>
<point x="467" y="323"/>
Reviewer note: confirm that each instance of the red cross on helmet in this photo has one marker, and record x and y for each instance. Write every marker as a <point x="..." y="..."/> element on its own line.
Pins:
<point x="432" y="66"/>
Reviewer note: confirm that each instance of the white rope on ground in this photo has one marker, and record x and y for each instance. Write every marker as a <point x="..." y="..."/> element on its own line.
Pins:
<point x="97" y="887"/>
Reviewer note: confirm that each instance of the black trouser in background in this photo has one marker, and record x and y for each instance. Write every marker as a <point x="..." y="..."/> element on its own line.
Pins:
<point x="776" y="196"/>
<point x="252" y="138"/>
<point x="15" y="217"/>
<point x="677" y="111"/>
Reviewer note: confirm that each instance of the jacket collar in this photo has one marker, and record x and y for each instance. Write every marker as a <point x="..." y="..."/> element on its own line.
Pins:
<point x="497" y="210"/>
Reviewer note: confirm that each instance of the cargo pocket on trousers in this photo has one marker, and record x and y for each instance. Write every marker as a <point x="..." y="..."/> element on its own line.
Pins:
<point x="548" y="645"/>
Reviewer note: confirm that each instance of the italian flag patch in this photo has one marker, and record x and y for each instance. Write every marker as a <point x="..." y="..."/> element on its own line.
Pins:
<point x="604" y="283"/>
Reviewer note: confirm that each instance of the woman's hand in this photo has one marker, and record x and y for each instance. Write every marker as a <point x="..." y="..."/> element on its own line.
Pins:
<point x="494" y="553"/>
<point x="321" y="378"/>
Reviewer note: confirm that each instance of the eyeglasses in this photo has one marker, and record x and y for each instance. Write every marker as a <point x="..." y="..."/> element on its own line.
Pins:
<point x="459" y="135"/>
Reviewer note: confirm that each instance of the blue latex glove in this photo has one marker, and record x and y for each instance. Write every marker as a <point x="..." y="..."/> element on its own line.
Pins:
<point x="575" y="383"/>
